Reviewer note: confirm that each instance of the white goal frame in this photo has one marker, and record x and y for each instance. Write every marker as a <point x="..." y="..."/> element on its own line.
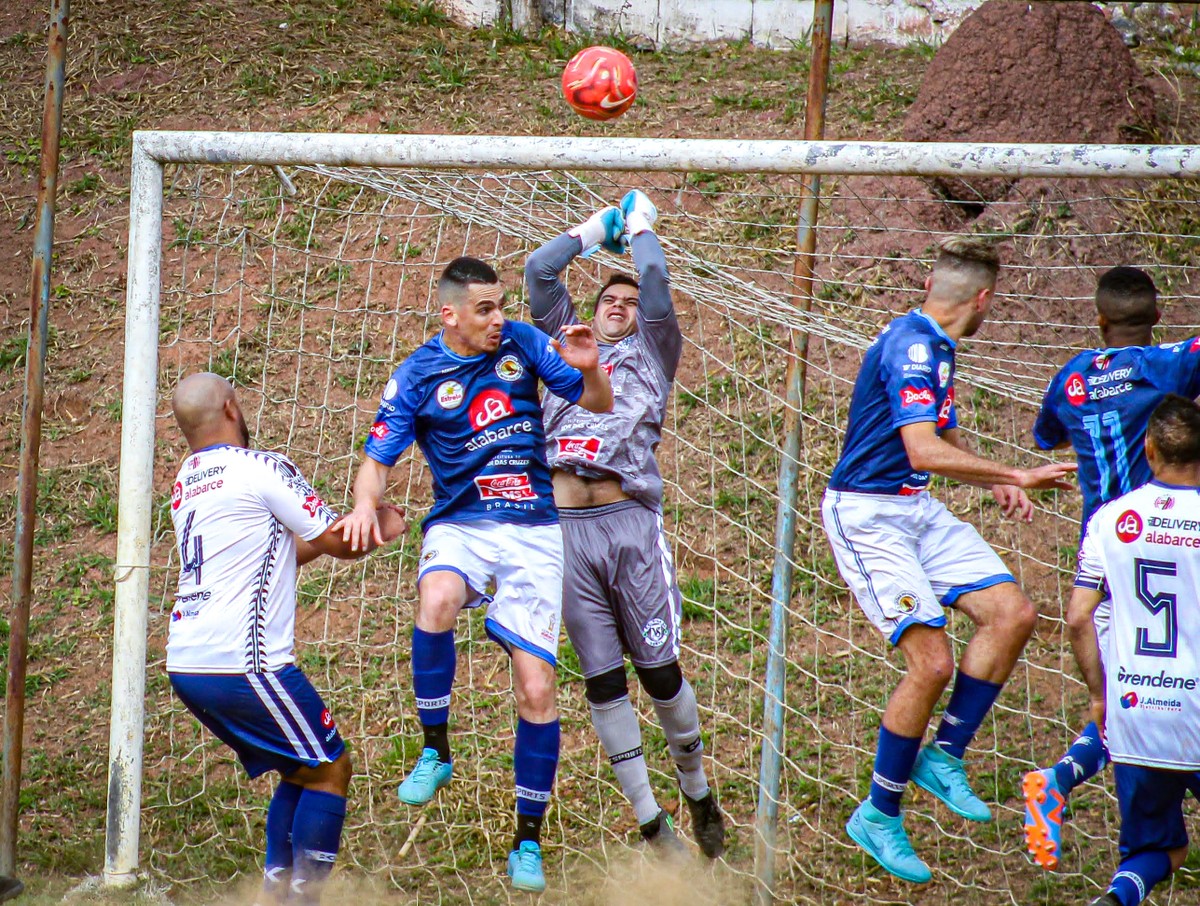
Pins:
<point x="154" y="149"/>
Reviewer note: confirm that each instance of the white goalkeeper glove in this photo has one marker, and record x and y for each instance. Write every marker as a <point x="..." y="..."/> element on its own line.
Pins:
<point x="640" y="212"/>
<point x="604" y="229"/>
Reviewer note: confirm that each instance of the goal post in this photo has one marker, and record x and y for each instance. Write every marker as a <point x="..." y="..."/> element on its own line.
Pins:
<point x="366" y="162"/>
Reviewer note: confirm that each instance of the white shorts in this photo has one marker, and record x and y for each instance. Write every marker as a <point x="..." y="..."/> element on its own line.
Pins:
<point x="905" y="558"/>
<point x="516" y="570"/>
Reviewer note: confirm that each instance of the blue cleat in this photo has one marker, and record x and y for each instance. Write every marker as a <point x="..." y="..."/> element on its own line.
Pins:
<point x="1044" y="807"/>
<point x="429" y="776"/>
<point x="525" y="868"/>
<point x="885" y="840"/>
<point x="945" y="777"/>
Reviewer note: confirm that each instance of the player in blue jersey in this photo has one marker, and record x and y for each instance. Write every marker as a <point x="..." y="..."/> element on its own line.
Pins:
<point x="1141" y="553"/>
<point x="905" y="557"/>
<point x="244" y="520"/>
<point x="469" y="398"/>
<point x="1099" y="404"/>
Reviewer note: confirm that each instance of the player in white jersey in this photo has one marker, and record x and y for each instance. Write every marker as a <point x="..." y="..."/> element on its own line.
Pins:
<point x="244" y="520"/>
<point x="1143" y="550"/>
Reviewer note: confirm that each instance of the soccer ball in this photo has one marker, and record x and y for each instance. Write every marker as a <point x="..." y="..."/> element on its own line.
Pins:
<point x="599" y="83"/>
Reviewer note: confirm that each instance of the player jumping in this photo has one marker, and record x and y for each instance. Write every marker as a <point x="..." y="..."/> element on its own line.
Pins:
<point x="469" y="397"/>
<point x="905" y="557"/>
<point x="1099" y="403"/>
<point x="1142" y="552"/>
<point x="620" y="594"/>
<point x="244" y="520"/>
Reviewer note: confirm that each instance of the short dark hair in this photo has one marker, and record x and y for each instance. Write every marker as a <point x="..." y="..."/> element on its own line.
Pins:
<point x="617" y="279"/>
<point x="461" y="272"/>
<point x="1126" y="296"/>
<point x="1174" y="428"/>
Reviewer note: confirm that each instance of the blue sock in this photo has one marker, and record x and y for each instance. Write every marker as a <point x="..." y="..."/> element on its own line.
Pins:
<point x="969" y="704"/>
<point x="280" y="815"/>
<point x="316" y="838"/>
<point x="1086" y="758"/>
<point x="433" y="662"/>
<point x="1137" y="875"/>
<point x="535" y="762"/>
<point x="894" y="761"/>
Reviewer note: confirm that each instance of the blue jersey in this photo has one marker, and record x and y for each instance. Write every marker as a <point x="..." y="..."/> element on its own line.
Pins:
<point x="907" y="376"/>
<point x="479" y="423"/>
<point x="1100" y="402"/>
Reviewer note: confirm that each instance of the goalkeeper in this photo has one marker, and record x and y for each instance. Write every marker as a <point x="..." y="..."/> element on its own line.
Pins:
<point x="620" y="596"/>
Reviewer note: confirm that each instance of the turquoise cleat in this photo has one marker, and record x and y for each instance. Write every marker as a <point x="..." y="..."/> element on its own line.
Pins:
<point x="525" y="868"/>
<point x="429" y="776"/>
<point x="945" y="777"/>
<point x="885" y="840"/>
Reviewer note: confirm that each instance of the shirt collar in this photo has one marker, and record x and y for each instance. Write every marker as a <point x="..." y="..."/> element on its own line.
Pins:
<point x="211" y="447"/>
<point x="937" y="328"/>
<point x="1173" y="487"/>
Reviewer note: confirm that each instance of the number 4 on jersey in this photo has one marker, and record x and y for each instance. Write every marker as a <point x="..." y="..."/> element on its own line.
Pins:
<point x="191" y="549"/>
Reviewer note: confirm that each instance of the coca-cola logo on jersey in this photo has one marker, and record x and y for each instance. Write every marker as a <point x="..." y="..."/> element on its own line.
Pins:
<point x="176" y="495"/>
<point x="587" y="447"/>
<point x="947" y="407"/>
<point x="507" y="486"/>
<point x="1076" y="389"/>
<point x="1129" y="526"/>
<point x="489" y="407"/>
<point x="916" y="396"/>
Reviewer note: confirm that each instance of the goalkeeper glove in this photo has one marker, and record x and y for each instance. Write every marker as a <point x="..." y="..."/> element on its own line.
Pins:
<point x="640" y="212"/>
<point x="604" y="228"/>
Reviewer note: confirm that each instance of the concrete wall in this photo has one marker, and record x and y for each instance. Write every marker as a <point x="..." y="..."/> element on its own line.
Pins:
<point x="768" y="23"/>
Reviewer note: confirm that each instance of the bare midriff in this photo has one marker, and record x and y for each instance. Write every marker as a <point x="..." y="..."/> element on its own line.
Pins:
<point x="573" y="491"/>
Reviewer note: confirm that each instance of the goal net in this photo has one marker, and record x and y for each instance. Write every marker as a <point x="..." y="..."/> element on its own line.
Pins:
<point x="306" y="283"/>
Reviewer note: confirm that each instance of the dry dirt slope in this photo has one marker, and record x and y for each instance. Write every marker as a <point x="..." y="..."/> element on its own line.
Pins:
<point x="337" y="65"/>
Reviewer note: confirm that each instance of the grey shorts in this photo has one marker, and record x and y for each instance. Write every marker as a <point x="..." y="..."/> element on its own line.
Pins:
<point x="619" y="590"/>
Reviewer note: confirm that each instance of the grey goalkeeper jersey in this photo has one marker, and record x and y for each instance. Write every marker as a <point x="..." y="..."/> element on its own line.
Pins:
<point x="620" y="443"/>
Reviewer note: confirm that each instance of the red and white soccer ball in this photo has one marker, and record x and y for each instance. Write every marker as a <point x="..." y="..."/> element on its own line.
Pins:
<point x="599" y="83"/>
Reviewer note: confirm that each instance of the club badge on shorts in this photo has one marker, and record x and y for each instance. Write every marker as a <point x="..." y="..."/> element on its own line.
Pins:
<point x="655" y="633"/>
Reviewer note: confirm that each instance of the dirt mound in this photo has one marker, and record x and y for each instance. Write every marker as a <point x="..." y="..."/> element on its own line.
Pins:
<point x="1029" y="72"/>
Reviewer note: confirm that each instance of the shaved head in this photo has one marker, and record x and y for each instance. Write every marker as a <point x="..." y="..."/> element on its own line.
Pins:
<point x="202" y="411"/>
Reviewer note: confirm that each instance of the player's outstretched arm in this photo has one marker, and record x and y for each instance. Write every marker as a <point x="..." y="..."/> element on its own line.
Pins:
<point x="392" y="525"/>
<point x="1014" y="502"/>
<point x="579" y="350"/>
<point x="360" y="527"/>
<point x="929" y="453"/>
<point x="1081" y="627"/>
<point x="549" y="301"/>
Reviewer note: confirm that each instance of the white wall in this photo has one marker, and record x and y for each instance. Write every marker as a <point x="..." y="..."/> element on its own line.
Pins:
<point x="769" y="23"/>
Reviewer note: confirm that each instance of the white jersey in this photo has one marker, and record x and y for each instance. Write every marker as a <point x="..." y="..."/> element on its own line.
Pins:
<point x="1144" y="547"/>
<point x="236" y="514"/>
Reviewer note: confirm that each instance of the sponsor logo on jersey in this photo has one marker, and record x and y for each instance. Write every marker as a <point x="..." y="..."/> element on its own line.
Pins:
<point x="656" y="633"/>
<point x="326" y="719"/>
<point x="1129" y="700"/>
<point x="491" y="435"/>
<point x="947" y="408"/>
<point x="1160" y="680"/>
<point x="390" y="390"/>
<point x="506" y="486"/>
<point x="906" y="602"/>
<point x="312" y="503"/>
<point x="379" y="430"/>
<point x="607" y="368"/>
<point x="585" y="447"/>
<point x="177" y="495"/>
<point x="1129" y="526"/>
<point x="509" y="369"/>
<point x="490" y="407"/>
<point x="916" y="396"/>
<point x="1075" y="389"/>
<point x="943" y="374"/>
<point x="1165" y="502"/>
<point x="1194" y="346"/>
<point x="918" y="352"/>
<point x="428" y="557"/>
<point x="1102" y="361"/>
<point x="449" y="394"/>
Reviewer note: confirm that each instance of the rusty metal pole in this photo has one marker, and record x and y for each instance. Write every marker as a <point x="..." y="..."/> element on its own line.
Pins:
<point x="770" y="767"/>
<point x="31" y="435"/>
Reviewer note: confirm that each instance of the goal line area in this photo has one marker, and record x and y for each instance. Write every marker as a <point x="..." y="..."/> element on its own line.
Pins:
<point x="302" y="267"/>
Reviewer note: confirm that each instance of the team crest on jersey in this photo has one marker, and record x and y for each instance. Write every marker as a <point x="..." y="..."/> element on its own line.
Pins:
<point x="490" y="407"/>
<point x="1129" y="526"/>
<point x="943" y="374"/>
<point x="1165" y="502"/>
<point x="1075" y="389"/>
<point x="1102" y="361"/>
<point x="450" y="394"/>
<point x="379" y="430"/>
<point x="906" y="602"/>
<point x="586" y="447"/>
<point x="176" y="495"/>
<point x="509" y="369"/>
<point x="514" y="486"/>
<point x="655" y="633"/>
<point x="918" y="352"/>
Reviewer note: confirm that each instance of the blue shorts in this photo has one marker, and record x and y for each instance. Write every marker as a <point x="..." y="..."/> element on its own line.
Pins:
<point x="273" y="721"/>
<point x="1151" y="802"/>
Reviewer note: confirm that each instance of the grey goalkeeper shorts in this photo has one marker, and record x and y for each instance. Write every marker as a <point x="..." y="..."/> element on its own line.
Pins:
<point x="619" y="590"/>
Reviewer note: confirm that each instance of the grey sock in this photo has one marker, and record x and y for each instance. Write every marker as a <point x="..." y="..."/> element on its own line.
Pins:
<point x="681" y="725"/>
<point x="616" y="724"/>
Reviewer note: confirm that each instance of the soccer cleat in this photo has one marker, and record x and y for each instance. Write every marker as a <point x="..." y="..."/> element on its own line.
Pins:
<point x="708" y="824"/>
<point x="945" y="777"/>
<point x="525" y="868"/>
<point x="1109" y="899"/>
<point x="10" y="887"/>
<point x="1044" y="806"/>
<point x="429" y="776"/>
<point x="885" y="840"/>
<point x="659" y="834"/>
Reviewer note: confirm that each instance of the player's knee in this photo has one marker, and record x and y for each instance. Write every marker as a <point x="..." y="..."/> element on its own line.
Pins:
<point x="933" y="671"/>
<point x="341" y="771"/>
<point x="535" y="693"/>
<point x="1019" y="617"/>
<point x="663" y="682"/>
<point x="607" y="687"/>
